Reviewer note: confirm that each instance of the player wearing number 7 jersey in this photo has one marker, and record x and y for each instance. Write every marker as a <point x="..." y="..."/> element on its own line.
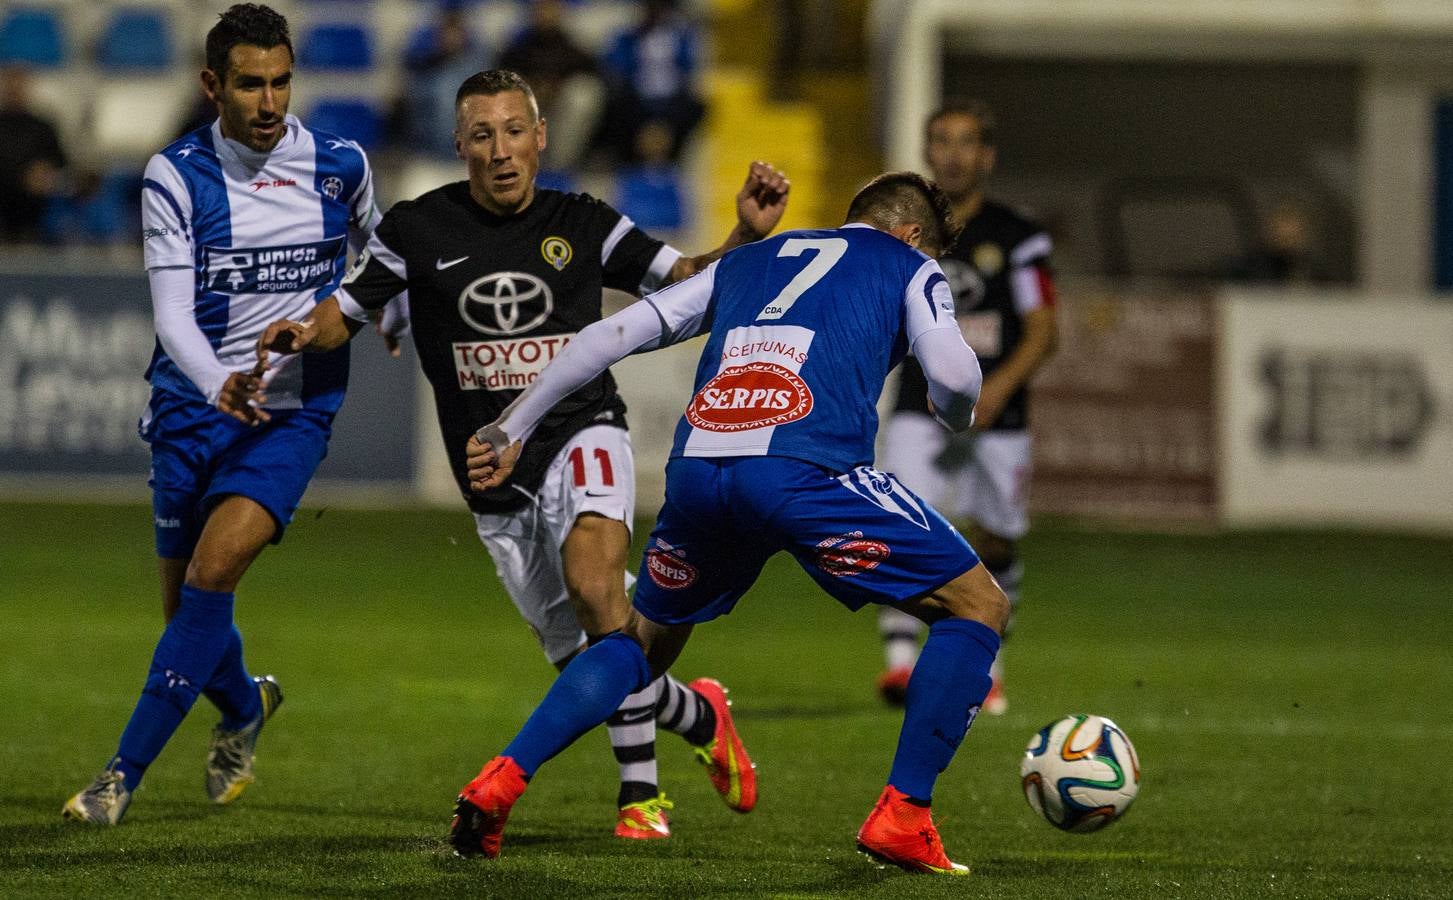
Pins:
<point x="773" y="454"/>
<point x="500" y="276"/>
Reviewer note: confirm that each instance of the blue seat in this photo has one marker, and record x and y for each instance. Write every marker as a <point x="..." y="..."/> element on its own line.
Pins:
<point x="651" y="196"/>
<point x="341" y="47"/>
<point x="555" y="180"/>
<point x="356" y="120"/>
<point x="136" y="39"/>
<point x="33" y="36"/>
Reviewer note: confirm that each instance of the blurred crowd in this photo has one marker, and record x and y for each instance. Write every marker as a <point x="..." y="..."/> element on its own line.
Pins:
<point x="620" y="109"/>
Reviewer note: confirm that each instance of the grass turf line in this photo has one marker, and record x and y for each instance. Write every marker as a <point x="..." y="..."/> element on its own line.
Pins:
<point x="1287" y="692"/>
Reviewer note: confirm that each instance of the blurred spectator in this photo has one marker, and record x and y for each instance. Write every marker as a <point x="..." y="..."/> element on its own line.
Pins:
<point x="565" y="78"/>
<point x="438" y="59"/>
<point x="653" y="68"/>
<point x="1285" y="254"/>
<point x="32" y="163"/>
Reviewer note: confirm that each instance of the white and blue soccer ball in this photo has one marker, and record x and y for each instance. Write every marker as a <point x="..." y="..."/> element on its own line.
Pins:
<point x="1080" y="772"/>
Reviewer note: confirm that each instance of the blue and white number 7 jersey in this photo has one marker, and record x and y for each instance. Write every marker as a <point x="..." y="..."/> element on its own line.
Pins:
<point x="805" y="327"/>
<point x="267" y="236"/>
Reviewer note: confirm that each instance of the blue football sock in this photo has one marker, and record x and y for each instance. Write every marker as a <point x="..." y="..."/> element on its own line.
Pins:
<point x="949" y="682"/>
<point x="584" y="696"/>
<point x="232" y="688"/>
<point x="187" y="655"/>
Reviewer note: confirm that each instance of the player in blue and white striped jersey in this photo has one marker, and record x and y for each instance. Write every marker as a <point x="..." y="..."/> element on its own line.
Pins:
<point x="244" y="221"/>
<point x="774" y="454"/>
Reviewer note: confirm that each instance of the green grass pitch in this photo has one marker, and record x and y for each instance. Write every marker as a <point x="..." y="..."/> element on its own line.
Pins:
<point x="1290" y="695"/>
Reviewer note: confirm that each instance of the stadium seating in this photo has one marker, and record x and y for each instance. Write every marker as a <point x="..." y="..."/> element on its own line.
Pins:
<point x="336" y="46"/>
<point x="133" y="118"/>
<point x="555" y="180"/>
<point x="651" y="196"/>
<point x="136" y="39"/>
<point x="352" y="118"/>
<point x="34" y="36"/>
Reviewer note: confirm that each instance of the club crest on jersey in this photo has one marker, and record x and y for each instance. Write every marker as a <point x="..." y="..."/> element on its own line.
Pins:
<point x="669" y="571"/>
<point x="988" y="259"/>
<point x="505" y="303"/>
<point x="332" y="187"/>
<point x="756" y="395"/>
<point x="847" y="555"/>
<point x="557" y="251"/>
<point x="884" y="491"/>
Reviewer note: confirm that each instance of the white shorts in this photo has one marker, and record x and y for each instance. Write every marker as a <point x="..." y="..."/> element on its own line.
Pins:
<point x="986" y="481"/>
<point x="594" y="473"/>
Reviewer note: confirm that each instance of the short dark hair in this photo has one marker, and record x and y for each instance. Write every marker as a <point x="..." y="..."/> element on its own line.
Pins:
<point x="496" y="81"/>
<point x="245" y="23"/>
<point x="975" y="109"/>
<point x="898" y="198"/>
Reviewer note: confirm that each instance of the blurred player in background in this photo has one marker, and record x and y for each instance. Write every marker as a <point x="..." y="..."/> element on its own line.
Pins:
<point x="1003" y="292"/>
<point x="500" y="275"/>
<point x="774" y="454"/>
<point x="245" y="220"/>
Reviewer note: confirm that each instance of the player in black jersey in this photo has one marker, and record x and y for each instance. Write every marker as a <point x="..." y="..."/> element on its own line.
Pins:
<point x="1004" y="295"/>
<point x="500" y="275"/>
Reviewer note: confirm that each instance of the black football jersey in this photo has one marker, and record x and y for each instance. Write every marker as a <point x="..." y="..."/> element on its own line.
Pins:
<point x="492" y="299"/>
<point x="999" y="272"/>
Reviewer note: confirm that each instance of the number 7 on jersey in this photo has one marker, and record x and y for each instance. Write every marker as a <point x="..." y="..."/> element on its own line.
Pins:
<point x="828" y="252"/>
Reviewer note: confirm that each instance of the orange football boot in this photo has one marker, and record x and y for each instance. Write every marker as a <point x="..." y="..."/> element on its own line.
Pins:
<point x="725" y="757"/>
<point x="484" y="806"/>
<point x="903" y="834"/>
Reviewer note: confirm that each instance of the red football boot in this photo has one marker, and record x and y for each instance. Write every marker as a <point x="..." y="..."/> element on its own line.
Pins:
<point x="893" y="685"/>
<point x="645" y="820"/>
<point x="903" y="834"/>
<point x="484" y="806"/>
<point x="726" y="760"/>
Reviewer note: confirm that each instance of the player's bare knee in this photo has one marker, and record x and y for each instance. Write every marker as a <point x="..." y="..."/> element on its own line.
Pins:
<point x="599" y="600"/>
<point x="975" y="595"/>
<point x="215" y="573"/>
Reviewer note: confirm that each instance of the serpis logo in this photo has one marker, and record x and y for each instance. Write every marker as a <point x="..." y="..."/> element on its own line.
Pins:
<point x="851" y="554"/>
<point x="669" y="572"/>
<point x="757" y="395"/>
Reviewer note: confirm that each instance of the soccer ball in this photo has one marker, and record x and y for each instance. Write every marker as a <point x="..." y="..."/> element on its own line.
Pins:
<point x="1080" y="772"/>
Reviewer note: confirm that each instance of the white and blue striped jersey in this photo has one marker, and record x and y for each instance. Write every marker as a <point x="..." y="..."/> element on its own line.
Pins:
<point x="267" y="237"/>
<point x="804" y="328"/>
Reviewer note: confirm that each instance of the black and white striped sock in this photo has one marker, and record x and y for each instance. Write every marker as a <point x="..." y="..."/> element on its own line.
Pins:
<point x="632" y="729"/>
<point x="682" y="710"/>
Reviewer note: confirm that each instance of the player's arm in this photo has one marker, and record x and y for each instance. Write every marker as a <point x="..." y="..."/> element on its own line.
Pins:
<point x="760" y="204"/>
<point x="166" y="212"/>
<point x="949" y="365"/>
<point x="363" y="216"/>
<point x="667" y="317"/>
<point x="1032" y="285"/>
<point x="378" y="276"/>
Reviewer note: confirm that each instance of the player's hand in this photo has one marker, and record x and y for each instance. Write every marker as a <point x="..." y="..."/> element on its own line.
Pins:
<point x="242" y="397"/>
<point x="762" y="199"/>
<point x="390" y="340"/>
<point x="490" y="458"/>
<point x="993" y="397"/>
<point x="393" y="323"/>
<point x="285" y="336"/>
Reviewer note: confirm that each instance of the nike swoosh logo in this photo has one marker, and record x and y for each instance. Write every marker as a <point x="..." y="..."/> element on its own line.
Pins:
<point x="441" y="265"/>
<point x="594" y="494"/>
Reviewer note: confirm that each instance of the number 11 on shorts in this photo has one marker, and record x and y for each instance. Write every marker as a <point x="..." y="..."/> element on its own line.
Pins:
<point x="602" y="461"/>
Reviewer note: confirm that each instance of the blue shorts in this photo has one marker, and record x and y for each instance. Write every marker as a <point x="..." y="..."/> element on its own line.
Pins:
<point x="862" y="536"/>
<point x="199" y="455"/>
